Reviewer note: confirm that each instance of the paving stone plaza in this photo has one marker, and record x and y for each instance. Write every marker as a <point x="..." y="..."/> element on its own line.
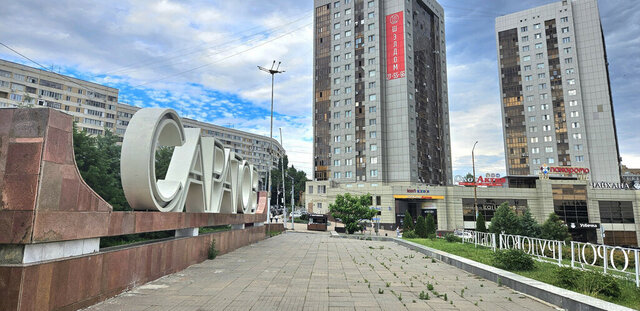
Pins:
<point x="304" y="271"/>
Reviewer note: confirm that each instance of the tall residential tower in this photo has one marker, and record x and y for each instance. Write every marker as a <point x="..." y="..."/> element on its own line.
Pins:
<point x="381" y="112"/>
<point x="556" y="98"/>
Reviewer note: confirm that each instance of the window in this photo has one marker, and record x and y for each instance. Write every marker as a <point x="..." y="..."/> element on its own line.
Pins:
<point x="336" y="92"/>
<point x="336" y="126"/>
<point x="571" y="81"/>
<point x="347" y="125"/>
<point x="370" y="4"/>
<point x="347" y="149"/>
<point x="535" y="150"/>
<point x="567" y="50"/>
<point x="347" y="90"/>
<point x="336" y="58"/>
<point x="373" y="147"/>
<point x="336" y="36"/>
<point x="347" y="174"/>
<point x="347" y="78"/>
<point x="530" y="98"/>
<point x="372" y="85"/>
<point x="546" y="117"/>
<point x="347" y="67"/>
<point x="616" y="212"/>
<point x="525" y="38"/>
<point x="372" y="134"/>
<point x="551" y="160"/>
<point x="565" y="29"/>
<point x="347" y="101"/>
<point x="347" y="11"/>
<point x="575" y="114"/>
<point x="370" y="15"/>
<point x="347" y="22"/>
<point x="525" y="48"/>
<point x="526" y="58"/>
<point x="547" y="139"/>
<point x="577" y="136"/>
<point x="372" y="109"/>
<point x="336" y="150"/>
<point x="336" y="69"/>
<point x="336" y="115"/>
<point x="534" y="139"/>
<point x="529" y="87"/>
<point x="336" y="81"/>
<point x="568" y="60"/>
<point x="336" y="47"/>
<point x="15" y="97"/>
<point x="371" y="49"/>
<point x="370" y="26"/>
<point x="374" y="160"/>
<point x="536" y="26"/>
<point x="566" y="39"/>
<point x="373" y="173"/>
<point x="539" y="55"/>
<point x="336" y="4"/>
<point x="536" y="161"/>
<point x="538" y="36"/>
<point x="348" y="137"/>
<point x="527" y="67"/>
<point x="372" y="97"/>
<point x="336" y="175"/>
<point x="548" y="149"/>
<point x="336" y="162"/>
<point x="347" y="55"/>
<point x="531" y="108"/>
<point x="573" y="103"/>
<point x="538" y="45"/>
<point x="533" y="129"/>
<point x="564" y="19"/>
<point x="544" y="96"/>
<point x="575" y="125"/>
<point x="372" y="121"/>
<point x="528" y="78"/>
<point x="578" y="147"/>
<point x="542" y="86"/>
<point x="569" y="71"/>
<point x="310" y="190"/>
<point x="348" y="162"/>
<point x="336" y="26"/>
<point x="544" y="106"/>
<point x="371" y="38"/>
<point x="579" y="158"/>
<point x="523" y="29"/>
<point x="572" y="92"/>
<point x="546" y="128"/>
<point x="347" y="33"/>
<point x="372" y="73"/>
<point x="540" y="66"/>
<point x="542" y="75"/>
<point x="347" y="113"/>
<point x="336" y="15"/>
<point x="371" y="61"/>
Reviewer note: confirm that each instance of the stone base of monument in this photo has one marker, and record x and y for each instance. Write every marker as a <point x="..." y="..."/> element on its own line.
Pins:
<point x="51" y="224"/>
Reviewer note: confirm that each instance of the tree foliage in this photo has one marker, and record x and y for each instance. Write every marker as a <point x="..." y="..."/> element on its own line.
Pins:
<point x="299" y="176"/>
<point x="351" y="210"/>
<point x="421" y="227"/>
<point x="554" y="229"/>
<point x="430" y="225"/>
<point x="407" y="223"/>
<point x="481" y="225"/>
<point x="504" y="220"/>
<point x="98" y="160"/>
<point x="528" y="226"/>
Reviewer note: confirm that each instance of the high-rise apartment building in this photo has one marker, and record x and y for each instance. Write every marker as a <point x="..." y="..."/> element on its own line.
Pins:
<point x="381" y="111"/>
<point x="95" y="109"/>
<point x="556" y="98"/>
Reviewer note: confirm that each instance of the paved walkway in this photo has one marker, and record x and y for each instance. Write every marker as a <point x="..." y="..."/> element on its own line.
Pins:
<point x="299" y="271"/>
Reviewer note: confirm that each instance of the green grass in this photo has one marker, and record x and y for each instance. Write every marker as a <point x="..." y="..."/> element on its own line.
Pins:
<point x="544" y="272"/>
<point x="211" y="229"/>
<point x="274" y="233"/>
<point x="119" y="240"/>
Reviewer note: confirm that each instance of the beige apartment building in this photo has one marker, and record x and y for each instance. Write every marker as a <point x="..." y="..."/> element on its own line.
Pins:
<point x="95" y="109"/>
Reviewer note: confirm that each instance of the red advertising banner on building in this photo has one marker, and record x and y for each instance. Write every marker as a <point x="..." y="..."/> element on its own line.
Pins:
<point x="395" y="46"/>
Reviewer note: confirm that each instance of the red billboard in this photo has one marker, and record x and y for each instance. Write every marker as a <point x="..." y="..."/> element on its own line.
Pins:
<point x="395" y="46"/>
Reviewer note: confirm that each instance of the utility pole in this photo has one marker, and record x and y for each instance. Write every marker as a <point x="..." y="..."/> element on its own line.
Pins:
<point x="272" y="72"/>
<point x="284" y="193"/>
<point x="475" y="183"/>
<point x="292" y="181"/>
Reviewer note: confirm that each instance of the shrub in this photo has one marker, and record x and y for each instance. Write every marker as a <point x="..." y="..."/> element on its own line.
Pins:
<point x="421" y="227"/>
<point x="481" y="225"/>
<point x="528" y="226"/>
<point x="304" y="216"/>
<point x="452" y="238"/>
<point x="504" y="219"/>
<point x="409" y="234"/>
<point x="213" y="252"/>
<point x="513" y="259"/>
<point x="431" y="225"/>
<point x="554" y="229"/>
<point x="586" y="281"/>
<point x="407" y="223"/>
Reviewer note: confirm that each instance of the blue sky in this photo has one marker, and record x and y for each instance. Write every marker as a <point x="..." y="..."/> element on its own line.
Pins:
<point x="200" y="58"/>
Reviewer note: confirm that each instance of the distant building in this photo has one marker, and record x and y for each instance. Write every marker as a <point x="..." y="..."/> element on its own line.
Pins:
<point x="381" y="110"/>
<point x="555" y="93"/>
<point x="95" y="109"/>
<point x="630" y="176"/>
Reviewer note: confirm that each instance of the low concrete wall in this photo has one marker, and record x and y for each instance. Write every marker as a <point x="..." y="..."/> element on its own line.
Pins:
<point x="275" y="227"/>
<point x="73" y="283"/>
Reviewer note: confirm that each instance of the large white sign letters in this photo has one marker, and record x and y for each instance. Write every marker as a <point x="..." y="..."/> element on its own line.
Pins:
<point x="203" y="176"/>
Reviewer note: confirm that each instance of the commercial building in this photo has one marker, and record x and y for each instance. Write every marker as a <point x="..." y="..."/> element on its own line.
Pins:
<point x="556" y="98"/>
<point x="95" y="109"/>
<point x="380" y="104"/>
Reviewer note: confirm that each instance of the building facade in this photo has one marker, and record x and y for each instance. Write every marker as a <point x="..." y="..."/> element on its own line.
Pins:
<point x="380" y="95"/>
<point x="556" y="98"/>
<point x="588" y="212"/>
<point x="95" y="109"/>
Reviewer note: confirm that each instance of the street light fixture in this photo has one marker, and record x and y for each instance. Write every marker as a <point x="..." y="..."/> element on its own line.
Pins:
<point x="272" y="72"/>
<point x="475" y="186"/>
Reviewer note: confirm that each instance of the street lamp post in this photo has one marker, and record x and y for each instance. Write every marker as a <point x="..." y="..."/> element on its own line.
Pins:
<point x="272" y="72"/>
<point x="475" y="186"/>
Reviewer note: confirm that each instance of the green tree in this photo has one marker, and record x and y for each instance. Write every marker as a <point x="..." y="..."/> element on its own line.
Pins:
<point x="504" y="220"/>
<point x="430" y="225"/>
<point x="98" y="160"/>
<point x="481" y="225"/>
<point x="351" y="209"/>
<point x="163" y="158"/>
<point x="554" y="229"/>
<point x="299" y="180"/>
<point x="421" y="227"/>
<point x="528" y="226"/>
<point x="407" y="224"/>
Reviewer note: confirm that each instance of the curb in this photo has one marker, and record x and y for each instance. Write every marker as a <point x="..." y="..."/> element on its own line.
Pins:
<point x="565" y="298"/>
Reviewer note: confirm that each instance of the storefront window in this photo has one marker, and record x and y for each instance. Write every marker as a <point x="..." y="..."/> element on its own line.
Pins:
<point x="617" y="212"/>
<point x="488" y="206"/>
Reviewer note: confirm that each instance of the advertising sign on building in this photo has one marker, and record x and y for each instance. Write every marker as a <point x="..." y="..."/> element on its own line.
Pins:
<point x="395" y="46"/>
<point x="494" y="181"/>
<point x="544" y="169"/>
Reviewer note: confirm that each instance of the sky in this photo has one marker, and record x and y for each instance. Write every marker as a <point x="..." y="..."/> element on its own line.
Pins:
<point x="200" y="58"/>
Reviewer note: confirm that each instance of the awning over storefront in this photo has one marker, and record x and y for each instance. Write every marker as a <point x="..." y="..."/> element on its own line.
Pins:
<point x="417" y="196"/>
